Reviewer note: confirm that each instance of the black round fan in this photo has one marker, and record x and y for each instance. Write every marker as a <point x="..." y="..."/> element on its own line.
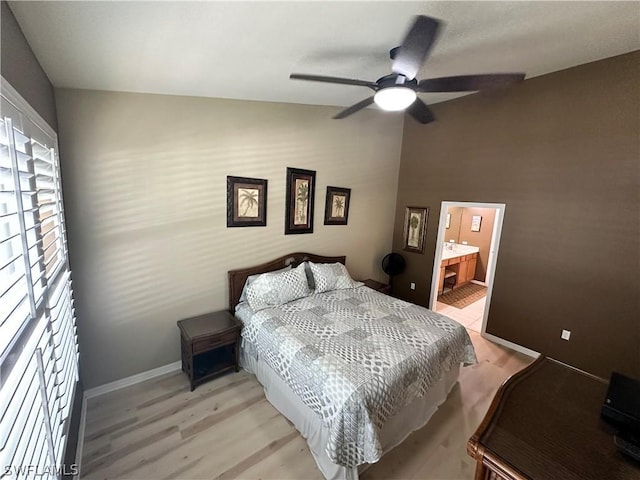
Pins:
<point x="393" y="264"/>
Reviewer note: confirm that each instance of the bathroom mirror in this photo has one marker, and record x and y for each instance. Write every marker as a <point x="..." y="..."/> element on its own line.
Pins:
<point x="452" y="232"/>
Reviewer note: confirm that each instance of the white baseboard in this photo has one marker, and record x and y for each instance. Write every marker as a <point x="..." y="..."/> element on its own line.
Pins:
<point x="511" y="345"/>
<point x="132" y="380"/>
<point x="110" y="387"/>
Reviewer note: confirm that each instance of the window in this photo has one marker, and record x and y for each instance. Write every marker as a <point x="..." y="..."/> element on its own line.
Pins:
<point x="38" y="345"/>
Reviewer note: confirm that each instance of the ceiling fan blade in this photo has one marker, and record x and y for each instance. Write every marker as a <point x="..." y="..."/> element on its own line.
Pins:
<point x="416" y="46"/>
<point x="464" y="83"/>
<point x="419" y="110"/>
<point x="354" y="108"/>
<point x="342" y="81"/>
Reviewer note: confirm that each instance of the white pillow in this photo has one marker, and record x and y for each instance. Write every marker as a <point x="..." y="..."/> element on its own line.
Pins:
<point x="331" y="276"/>
<point x="251" y="279"/>
<point x="277" y="288"/>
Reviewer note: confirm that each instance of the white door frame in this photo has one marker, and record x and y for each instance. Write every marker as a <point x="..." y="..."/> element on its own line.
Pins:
<point x="493" y="251"/>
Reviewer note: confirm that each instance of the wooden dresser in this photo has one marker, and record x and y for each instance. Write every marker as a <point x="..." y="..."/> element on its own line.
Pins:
<point x="544" y="424"/>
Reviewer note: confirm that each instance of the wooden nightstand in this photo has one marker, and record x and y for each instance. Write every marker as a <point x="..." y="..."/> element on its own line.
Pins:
<point x="380" y="287"/>
<point x="209" y="345"/>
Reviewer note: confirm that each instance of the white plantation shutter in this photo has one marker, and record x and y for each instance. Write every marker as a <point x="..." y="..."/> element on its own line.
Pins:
<point x="38" y="345"/>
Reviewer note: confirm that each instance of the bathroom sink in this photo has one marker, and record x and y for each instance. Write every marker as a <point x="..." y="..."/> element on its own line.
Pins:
<point x="457" y="250"/>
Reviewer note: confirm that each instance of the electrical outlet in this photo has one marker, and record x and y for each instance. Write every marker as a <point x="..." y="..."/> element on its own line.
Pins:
<point x="566" y="335"/>
<point x="465" y="243"/>
<point x="413" y="286"/>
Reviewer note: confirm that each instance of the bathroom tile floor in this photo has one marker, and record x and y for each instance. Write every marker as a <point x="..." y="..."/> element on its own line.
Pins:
<point x="470" y="317"/>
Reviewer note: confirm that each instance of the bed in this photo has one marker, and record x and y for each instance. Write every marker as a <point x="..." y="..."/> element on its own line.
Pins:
<point x="355" y="371"/>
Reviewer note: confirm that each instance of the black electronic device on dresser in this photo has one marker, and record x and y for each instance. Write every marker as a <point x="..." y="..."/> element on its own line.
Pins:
<point x="622" y="409"/>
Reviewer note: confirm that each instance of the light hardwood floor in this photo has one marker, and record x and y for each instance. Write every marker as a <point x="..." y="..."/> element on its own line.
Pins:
<point x="158" y="429"/>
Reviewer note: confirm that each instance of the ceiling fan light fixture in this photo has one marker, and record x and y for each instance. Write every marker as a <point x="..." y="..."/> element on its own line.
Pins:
<point x="398" y="90"/>
<point x="394" y="99"/>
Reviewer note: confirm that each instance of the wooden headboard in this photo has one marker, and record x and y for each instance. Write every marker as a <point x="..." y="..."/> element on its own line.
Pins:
<point x="237" y="278"/>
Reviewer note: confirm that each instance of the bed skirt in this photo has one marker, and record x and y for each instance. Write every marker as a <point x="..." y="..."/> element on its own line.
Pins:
<point x="397" y="428"/>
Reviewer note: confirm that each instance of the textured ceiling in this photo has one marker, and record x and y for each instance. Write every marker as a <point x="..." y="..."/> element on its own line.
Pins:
<point x="246" y="50"/>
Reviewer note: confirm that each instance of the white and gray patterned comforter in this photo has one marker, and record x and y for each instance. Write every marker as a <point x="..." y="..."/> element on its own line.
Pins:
<point x="356" y="357"/>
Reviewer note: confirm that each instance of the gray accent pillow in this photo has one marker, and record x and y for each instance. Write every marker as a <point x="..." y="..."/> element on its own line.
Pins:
<point x="331" y="276"/>
<point x="309" y="273"/>
<point x="277" y="288"/>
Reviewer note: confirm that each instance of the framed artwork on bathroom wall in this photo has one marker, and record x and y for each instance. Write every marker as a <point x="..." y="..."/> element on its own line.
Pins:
<point x="415" y="228"/>
<point x="476" y="220"/>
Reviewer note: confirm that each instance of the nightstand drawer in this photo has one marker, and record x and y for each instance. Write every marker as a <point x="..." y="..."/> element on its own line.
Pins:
<point x="214" y="341"/>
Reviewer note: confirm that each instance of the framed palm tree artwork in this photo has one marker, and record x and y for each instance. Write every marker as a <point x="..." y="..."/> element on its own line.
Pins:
<point x="336" y="209"/>
<point x="415" y="228"/>
<point x="246" y="202"/>
<point x="301" y="190"/>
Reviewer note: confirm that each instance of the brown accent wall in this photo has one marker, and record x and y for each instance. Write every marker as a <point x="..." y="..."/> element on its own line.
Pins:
<point x="562" y="151"/>
<point x="21" y="68"/>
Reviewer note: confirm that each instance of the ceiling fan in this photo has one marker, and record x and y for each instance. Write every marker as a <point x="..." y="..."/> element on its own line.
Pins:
<point x="398" y="90"/>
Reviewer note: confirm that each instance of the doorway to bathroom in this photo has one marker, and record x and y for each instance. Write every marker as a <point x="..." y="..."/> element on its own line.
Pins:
<point x="465" y="260"/>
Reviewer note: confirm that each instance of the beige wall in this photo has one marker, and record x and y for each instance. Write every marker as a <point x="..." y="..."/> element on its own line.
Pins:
<point x="562" y="151"/>
<point x="145" y="196"/>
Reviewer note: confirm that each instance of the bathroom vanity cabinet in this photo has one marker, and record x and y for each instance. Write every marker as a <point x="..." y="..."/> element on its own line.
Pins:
<point x="464" y="264"/>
